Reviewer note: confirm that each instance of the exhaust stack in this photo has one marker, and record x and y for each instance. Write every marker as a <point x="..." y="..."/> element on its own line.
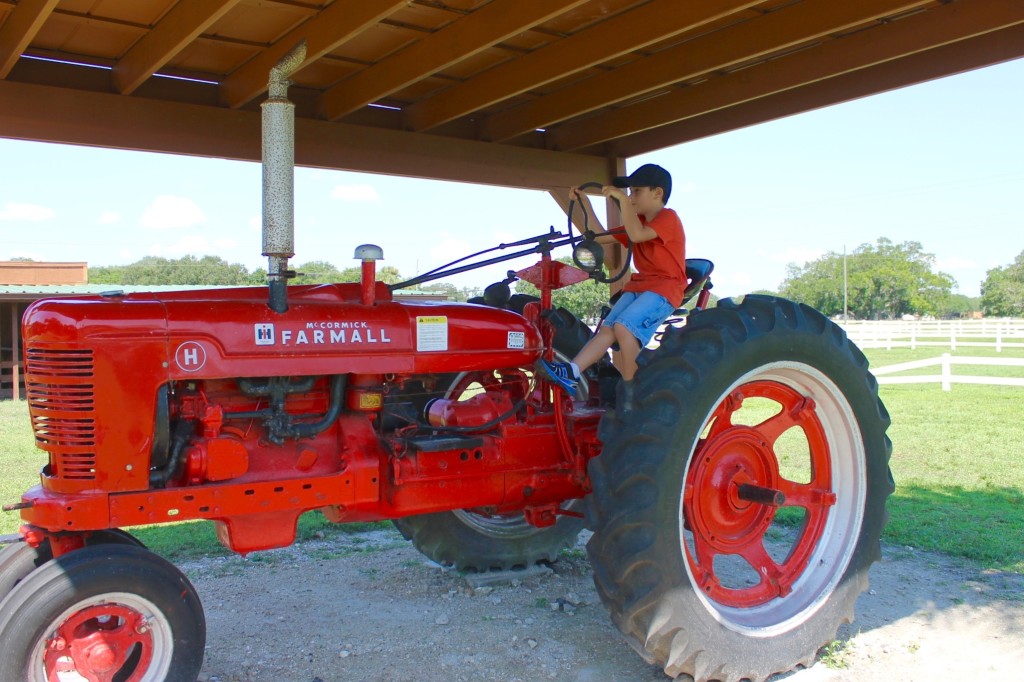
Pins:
<point x="279" y="176"/>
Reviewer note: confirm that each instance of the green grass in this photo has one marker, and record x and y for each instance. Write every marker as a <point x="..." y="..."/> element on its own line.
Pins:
<point x="958" y="463"/>
<point x="20" y="461"/>
<point x="957" y="459"/>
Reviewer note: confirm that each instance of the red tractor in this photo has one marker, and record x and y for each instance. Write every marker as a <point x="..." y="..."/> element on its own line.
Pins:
<point x="735" y="512"/>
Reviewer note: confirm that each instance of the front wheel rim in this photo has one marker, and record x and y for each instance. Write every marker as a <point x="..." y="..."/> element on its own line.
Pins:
<point x="110" y="636"/>
<point x="734" y="487"/>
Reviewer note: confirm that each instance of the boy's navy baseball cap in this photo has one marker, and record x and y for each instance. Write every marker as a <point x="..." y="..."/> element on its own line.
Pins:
<point x="647" y="175"/>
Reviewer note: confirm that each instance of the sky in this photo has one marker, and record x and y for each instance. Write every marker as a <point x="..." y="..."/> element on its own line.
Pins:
<point x="941" y="163"/>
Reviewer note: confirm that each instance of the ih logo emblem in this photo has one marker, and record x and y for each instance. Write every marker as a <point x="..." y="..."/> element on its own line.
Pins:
<point x="190" y="356"/>
<point x="264" y="334"/>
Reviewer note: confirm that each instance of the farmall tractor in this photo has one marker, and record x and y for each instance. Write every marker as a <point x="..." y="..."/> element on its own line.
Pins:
<point x="735" y="511"/>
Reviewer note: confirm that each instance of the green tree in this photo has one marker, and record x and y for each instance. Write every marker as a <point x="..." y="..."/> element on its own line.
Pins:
<point x="187" y="271"/>
<point x="388" y="273"/>
<point x="317" y="272"/>
<point x="446" y="288"/>
<point x="959" y="305"/>
<point x="1002" y="292"/>
<point x="884" y="280"/>
<point x="584" y="300"/>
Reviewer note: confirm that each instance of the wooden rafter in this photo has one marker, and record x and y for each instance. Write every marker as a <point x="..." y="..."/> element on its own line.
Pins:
<point x="471" y="34"/>
<point x="774" y="32"/>
<point x="63" y="115"/>
<point x="22" y="25"/>
<point x="181" y="25"/>
<point x="633" y="30"/>
<point x="948" y="24"/>
<point x="973" y="53"/>
<point x="340" y="22"/>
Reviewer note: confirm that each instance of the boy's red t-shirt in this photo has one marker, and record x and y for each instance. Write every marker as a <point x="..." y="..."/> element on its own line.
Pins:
<point x="660" y="262"/>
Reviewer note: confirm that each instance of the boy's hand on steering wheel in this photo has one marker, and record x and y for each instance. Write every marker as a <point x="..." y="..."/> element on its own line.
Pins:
<point x="613" y="192"/>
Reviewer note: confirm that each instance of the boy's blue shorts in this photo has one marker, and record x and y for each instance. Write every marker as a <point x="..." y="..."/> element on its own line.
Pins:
<point x="641" y="314"/>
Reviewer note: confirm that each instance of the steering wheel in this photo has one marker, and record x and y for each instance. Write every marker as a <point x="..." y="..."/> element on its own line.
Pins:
<point x="587" y="253"/>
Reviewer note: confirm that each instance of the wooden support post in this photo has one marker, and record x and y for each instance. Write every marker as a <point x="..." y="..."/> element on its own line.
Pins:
<point x="15" y="352"/>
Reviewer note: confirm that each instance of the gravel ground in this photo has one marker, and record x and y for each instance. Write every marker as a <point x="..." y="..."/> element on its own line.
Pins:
<point x="369" y="607"/>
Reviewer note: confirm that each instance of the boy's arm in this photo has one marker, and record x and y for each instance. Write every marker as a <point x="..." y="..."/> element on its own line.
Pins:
<point x="593" y="222"/>
<point x="637" y="231"/>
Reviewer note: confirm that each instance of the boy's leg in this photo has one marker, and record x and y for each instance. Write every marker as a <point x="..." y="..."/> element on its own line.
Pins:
<point x="567" y="374"/>
<point x="634" y="328"/>
<point x="629" y="350"/>
<point x="595" y="348"/>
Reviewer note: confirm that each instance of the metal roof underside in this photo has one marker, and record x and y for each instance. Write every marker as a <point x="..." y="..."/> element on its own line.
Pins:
<point x="526" y="93"/>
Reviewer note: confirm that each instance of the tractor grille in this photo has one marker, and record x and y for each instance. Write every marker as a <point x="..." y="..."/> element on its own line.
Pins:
<point x="59" y="386"/>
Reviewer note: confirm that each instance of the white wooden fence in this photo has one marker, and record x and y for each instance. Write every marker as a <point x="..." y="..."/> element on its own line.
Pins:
<point x="946" y="377"/>
<point x="951" y="334"/>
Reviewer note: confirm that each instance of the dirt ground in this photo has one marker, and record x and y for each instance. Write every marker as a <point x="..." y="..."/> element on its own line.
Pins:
<point x="369" y="607"/>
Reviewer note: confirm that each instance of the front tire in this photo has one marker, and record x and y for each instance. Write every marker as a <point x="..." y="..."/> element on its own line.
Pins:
<point x="104" y="612"/>
<point x="737" y="510"/>
<point x="19" y="559"/>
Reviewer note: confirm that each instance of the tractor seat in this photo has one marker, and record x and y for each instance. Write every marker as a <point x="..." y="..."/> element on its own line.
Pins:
<point x="698" y="270"/>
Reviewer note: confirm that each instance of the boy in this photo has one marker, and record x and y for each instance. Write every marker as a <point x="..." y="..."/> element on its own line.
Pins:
<point x="653" y="292"/>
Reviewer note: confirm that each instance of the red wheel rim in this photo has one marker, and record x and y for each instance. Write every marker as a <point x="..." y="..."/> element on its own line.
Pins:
<point x="99" y="642"/>
<point x="734" y="488"/>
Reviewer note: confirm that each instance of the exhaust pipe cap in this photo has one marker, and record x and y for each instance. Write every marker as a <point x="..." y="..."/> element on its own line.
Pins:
<point x="369" y="252"/>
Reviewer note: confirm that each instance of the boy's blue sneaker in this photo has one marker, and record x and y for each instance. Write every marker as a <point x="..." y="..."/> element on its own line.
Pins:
<point x="559" y="373"/>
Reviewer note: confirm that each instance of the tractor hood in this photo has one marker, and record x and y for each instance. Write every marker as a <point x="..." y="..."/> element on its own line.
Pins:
<point x="224" y="333"/>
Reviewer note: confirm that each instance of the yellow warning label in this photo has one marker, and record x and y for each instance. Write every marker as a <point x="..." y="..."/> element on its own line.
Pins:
<point x="370" y="401"/>
<point x="431" y="333"/>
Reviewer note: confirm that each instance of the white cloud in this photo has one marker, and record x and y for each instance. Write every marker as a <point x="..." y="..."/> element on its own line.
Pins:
<point x="26" y="212"/>
<point x="169" y="212"/>
<point x="190" y="245"/>
<point x="449" y="248"/>
<point x="355" y="193"/>
<point x="108" y="218"/>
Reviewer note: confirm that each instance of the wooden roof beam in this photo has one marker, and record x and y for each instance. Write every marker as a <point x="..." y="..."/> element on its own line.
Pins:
<point x="942" y="25"/>
<point x="974" y="53"/>
<point x="787" y="27"/>
<point x="180" y="26"/>
<point x="335" y="25"/>
<point x="632" y="30"/>
<point x="104" y="119"/>
<point x="22" y="25"/>
<point x="487" y="26"/>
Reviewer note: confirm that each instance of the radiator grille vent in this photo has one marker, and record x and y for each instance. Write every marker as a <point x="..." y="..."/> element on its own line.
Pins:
<point x="61" y="400"/>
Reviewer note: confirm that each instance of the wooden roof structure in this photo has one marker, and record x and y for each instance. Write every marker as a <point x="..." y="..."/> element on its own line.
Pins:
<point x="523" y="93"/>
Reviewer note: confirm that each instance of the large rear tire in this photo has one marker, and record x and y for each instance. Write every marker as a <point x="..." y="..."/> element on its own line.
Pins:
<point x="737" y="510"/>
<point x="111" y="612"/>
<point x="474" y="541"/>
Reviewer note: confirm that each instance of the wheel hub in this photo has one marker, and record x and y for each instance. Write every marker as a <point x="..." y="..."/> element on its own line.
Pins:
<point x="728" y="481"/>
<point x="98" y="642"/>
